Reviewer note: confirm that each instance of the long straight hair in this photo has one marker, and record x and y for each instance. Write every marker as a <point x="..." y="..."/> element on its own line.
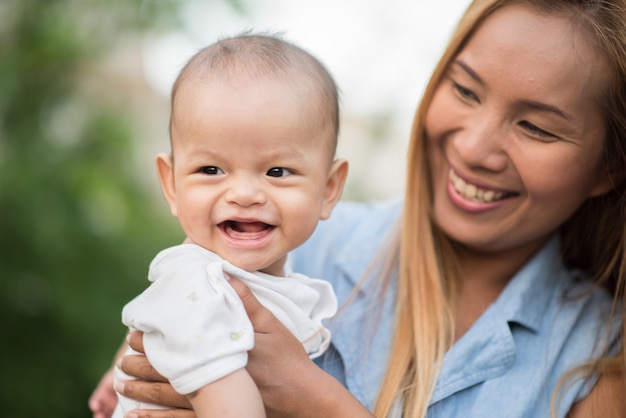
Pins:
<point x="428" y="274"/>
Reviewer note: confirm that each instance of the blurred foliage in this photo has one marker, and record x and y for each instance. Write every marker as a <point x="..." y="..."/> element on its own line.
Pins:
<point x="77" y="227"/>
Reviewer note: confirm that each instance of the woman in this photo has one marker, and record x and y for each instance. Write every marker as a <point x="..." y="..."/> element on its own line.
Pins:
<point x="496" y="288"/>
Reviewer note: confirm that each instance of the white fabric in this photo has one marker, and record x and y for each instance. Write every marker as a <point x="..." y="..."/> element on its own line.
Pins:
<point x="124" y="404"/>
<point x="196" y="328"/>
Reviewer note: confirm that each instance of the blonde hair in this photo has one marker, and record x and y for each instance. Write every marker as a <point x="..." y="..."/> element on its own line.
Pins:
<point x="593" y="239"/>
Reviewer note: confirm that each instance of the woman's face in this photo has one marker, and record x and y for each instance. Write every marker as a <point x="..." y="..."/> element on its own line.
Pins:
<point x="515" y="132"/>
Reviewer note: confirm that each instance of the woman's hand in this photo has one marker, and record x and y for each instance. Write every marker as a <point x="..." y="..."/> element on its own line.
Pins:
<point x="150" y="386"/>
<point x="278" y="360"/>
<point x="291" y="385"/>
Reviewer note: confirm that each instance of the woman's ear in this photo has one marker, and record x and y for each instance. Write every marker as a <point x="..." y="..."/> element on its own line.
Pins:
<point x="607" y="181"/>
<point x="334" y="186"/>
<point x="165" y="170"/>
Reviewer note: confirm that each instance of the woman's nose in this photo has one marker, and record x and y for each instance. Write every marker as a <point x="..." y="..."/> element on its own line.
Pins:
<point x="483" y="144"/>
<point x="245" y="191"/>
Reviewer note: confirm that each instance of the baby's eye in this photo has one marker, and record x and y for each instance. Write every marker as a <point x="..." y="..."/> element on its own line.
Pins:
<point x="278" y="172"/>
<point x="211" y="170"/>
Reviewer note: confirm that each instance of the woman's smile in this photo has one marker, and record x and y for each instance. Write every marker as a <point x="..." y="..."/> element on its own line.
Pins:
<point x="476" y="193"/>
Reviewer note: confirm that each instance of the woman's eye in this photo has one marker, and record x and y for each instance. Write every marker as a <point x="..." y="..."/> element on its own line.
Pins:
<point x="465" y="93"/>
<point x="278" y="172"/>
<point x="211" y="170"/>
<point x="537" y="132"/>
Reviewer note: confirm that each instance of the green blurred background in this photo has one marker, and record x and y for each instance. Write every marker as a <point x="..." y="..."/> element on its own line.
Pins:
<point x="78" y="226"/>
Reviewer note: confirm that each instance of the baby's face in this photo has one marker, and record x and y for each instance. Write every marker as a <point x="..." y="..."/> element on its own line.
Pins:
<point x="251" y="169"/>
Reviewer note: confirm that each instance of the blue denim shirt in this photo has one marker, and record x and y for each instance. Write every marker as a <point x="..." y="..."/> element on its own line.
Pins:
<point x="506" y="365"/>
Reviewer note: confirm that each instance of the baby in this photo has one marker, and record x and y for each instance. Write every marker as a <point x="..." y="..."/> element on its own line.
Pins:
<point x="254" y="127"/>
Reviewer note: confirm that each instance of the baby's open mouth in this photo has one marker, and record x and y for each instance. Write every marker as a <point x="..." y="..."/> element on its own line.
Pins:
<point x="244" y="229"/>
<point x="475" y="193"/>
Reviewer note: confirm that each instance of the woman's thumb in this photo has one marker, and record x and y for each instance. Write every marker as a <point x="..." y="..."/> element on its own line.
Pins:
<point x="261" y="318"/>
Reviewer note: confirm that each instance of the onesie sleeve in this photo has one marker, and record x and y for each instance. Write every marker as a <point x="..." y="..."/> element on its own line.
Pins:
<point x="195" y="326"/>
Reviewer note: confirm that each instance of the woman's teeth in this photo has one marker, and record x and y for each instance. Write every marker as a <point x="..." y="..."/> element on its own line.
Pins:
<point x="473" y="193"/>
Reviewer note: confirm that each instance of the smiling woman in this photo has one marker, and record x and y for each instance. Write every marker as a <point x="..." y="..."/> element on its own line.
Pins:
<point x="515" y="133"/>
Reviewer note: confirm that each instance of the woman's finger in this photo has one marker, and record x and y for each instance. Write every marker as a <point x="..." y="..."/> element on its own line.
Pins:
<point x="135" y="340"/>
<point x="164" y="413"/>
<point x="153" y="392"/>
<point x="150" y="385"/>
<point x="140" y="368"/>
<point x="263" y="321"/>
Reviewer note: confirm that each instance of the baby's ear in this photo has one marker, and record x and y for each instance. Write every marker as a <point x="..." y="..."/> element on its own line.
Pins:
<point x="165" y="170"/>
<point x="334" y="186"/>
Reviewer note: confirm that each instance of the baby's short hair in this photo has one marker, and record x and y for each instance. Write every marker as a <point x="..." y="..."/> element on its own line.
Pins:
<point x="264" y="55"/>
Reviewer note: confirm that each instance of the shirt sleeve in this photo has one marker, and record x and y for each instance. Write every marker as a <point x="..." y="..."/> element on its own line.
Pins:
<point x="195" y="326"/>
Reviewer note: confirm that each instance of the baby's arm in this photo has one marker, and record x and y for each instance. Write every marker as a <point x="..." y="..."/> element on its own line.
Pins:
<point x="234" y="395"/>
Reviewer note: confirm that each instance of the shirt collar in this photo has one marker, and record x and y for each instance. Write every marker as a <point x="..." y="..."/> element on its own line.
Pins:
<point x="526" y="298"/>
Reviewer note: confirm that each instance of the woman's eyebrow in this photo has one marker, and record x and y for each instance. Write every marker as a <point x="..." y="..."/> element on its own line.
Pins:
<point x="530" y="103"/>
<point x="548" y="108"/>
<point x="469" y="71"/>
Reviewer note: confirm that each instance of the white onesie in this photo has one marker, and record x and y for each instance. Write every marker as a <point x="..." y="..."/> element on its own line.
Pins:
<point x="195" y="327"/>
